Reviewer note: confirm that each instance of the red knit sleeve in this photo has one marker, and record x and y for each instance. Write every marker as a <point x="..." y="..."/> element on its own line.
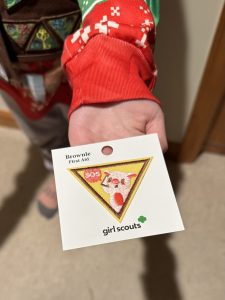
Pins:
<point x="110" y="59"/>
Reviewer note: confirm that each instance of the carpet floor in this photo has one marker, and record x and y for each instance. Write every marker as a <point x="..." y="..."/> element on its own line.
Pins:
<point x="188" y="265"/>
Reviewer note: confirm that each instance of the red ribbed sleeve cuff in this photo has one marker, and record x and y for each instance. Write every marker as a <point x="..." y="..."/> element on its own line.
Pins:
<point x="110" y="58"/>
<point x="108" y="70"/>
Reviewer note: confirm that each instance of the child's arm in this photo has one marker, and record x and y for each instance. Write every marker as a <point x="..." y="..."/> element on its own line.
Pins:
<point x="110" y="61"/>
<point x="111" y="57"/>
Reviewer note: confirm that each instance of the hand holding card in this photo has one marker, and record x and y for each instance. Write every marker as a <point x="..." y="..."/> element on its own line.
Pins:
<point x="108" y="198"/>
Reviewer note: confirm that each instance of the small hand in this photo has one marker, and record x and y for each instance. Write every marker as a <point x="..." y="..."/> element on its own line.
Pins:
<point x="104" y="122"/>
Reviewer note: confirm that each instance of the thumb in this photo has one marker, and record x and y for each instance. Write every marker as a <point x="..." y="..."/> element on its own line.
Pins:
<point x="157" y="125"/>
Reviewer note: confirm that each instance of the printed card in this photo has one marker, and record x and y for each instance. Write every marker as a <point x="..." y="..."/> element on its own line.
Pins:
<point x="107" y="198"/>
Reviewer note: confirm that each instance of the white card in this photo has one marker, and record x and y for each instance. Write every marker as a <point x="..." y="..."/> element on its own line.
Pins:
<point x="109" y="198"/>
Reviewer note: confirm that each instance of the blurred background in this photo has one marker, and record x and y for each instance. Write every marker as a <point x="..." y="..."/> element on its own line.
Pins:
<point x="183" y="266"/>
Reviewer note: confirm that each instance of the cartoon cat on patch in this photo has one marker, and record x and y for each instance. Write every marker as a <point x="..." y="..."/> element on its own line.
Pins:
<point x="117" y="185"/>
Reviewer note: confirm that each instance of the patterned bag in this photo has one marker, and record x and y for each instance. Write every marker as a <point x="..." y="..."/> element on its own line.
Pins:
<point x="31" y="41"/>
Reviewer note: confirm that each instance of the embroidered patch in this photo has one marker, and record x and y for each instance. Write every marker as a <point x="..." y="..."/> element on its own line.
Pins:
<point x="113" y="185"/>
<point x="64" y="26"/>
<point x="43" y="40"/>
<point x="19" y="33"/>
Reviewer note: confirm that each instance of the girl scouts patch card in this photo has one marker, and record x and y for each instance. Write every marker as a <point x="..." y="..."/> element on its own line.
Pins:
<point x="107" y="198"/>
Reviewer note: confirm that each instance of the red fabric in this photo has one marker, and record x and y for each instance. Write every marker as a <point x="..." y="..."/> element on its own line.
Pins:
<point x="110" y="59"/>
<point x="29" y="107"/>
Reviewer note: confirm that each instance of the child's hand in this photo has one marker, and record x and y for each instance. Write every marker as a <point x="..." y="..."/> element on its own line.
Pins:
<point x="104" y="122"/>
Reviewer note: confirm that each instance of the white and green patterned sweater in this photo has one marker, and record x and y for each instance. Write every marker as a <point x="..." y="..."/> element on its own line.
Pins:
<point x="87" y="5"/>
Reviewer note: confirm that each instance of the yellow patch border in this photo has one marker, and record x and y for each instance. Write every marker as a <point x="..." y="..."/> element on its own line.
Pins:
<point x="130" y="197"/>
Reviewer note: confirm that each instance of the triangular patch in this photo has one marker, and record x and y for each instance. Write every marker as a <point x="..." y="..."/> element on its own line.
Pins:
<point x="42" y="40"/>
<point x="113" y="185"/>
<point x="19" y="32"/>
<point x="64" y="26"/>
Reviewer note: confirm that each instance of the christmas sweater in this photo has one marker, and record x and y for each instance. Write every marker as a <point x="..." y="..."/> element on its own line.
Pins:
<point x="110" y="58"/>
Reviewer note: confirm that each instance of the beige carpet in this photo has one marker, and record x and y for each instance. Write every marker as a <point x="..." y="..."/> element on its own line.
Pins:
<point x="188" y="265"/>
